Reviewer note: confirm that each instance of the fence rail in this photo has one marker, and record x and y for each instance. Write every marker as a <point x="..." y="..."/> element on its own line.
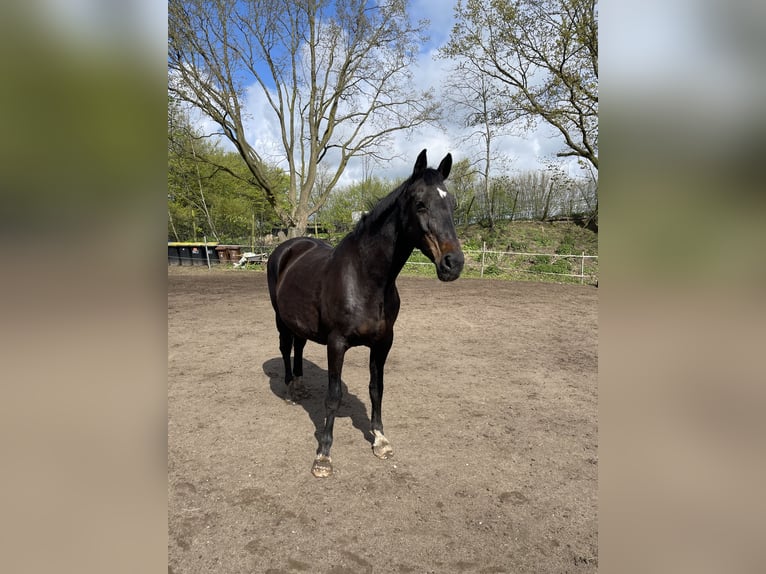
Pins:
<point x="487" y="262"/>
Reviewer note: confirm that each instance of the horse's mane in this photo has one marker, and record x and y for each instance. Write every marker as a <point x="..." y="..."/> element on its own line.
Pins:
<point x="380" y="210"/>
<point x="387" y="203"/>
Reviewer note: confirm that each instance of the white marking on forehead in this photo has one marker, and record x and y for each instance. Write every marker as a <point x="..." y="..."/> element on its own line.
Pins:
<point x="442" y="192"/>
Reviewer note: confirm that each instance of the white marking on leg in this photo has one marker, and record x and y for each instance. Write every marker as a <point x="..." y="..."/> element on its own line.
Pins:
<point x="381" y="447"/>
<point x="322" y="467"/>
<point x="442" y="192"/>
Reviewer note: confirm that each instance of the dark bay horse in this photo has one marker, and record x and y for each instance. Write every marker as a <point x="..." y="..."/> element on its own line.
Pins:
<point x="346" y="297"/>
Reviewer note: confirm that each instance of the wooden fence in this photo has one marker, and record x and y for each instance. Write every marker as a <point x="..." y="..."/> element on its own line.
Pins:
<point x="483" y="262"/>
<point x="511" y="263"/>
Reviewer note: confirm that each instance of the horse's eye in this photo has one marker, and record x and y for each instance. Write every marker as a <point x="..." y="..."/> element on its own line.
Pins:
<point x="421" y="207"/>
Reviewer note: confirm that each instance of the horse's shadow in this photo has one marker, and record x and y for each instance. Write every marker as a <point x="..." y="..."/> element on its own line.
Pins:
<point x="315" y="380"/>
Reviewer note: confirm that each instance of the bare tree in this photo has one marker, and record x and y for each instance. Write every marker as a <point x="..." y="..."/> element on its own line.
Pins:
<point x="533" y="194"/>
<point x="335" y="75"/>
<point x="473" y="96"/>
<point x="545" y="52"/>
<point x="462" y="186"/>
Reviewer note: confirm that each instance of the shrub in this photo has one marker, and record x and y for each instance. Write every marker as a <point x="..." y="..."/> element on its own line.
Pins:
<point x="567" y="245"/>
<point x="558" y="266"/>
<point x="517" y="245"/>
<point x="492" y="271"/>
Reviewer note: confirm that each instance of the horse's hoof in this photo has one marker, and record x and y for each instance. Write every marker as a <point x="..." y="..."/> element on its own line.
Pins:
<point x="296" y="391"/>
<point x="381" y="447"/>
<point x="322" y="467"/>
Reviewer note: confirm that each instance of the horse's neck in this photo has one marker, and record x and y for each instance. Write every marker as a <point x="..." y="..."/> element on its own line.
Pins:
<point x="386" y="250"/>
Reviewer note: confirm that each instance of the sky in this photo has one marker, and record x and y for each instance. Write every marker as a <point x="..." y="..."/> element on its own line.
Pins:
<point x="522" y="151"/>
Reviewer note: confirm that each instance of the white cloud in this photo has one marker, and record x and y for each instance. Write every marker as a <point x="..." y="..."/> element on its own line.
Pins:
<point x="441" y="16"/>
<point x="527" y="151"/>
<point x="262" y="127"/>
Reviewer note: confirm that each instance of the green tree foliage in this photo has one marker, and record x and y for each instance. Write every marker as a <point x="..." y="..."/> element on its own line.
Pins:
<point x="344" y="203"/>
<point x="210" y="192"/>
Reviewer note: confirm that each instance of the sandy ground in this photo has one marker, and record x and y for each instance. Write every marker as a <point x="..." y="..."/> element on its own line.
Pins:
<point x="490" y="405"/>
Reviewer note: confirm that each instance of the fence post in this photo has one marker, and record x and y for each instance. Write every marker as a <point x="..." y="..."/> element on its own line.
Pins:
<point x="483" y="249"/>
<point x="582" y="268"/>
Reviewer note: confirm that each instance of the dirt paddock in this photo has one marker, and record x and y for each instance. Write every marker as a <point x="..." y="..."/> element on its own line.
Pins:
<point x="490" y="405"/>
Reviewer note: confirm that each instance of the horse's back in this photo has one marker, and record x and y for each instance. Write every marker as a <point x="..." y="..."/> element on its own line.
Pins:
<point x="294" y="272"/>
<point x="288" y="252"/>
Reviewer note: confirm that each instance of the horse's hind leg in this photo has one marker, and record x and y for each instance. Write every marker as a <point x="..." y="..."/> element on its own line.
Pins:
<point x="378" y="354"/>
<point x="286" y="339"/>
<point x="297" y="389"/>
<point x="285" y="346"/>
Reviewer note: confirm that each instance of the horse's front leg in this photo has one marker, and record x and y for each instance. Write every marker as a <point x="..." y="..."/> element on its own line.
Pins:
<point x="336" y="350"/>
<point x="378" y="354"/>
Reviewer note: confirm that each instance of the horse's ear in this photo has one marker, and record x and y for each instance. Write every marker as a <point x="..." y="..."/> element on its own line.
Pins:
<point x="446" y="165"/>
<point x="421" y="163"/>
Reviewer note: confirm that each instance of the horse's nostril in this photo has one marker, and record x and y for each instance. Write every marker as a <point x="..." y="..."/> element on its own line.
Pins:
<point x="452" y="260"/>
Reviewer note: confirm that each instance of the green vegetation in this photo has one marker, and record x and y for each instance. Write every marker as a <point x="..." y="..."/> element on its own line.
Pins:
<point x="211" y="193"/>
<point x="556" y="237"/>
<point x="508" y="249"/>
<point x="553" y="243"/>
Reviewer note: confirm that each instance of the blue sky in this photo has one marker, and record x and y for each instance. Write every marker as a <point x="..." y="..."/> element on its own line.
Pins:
<point x="520" y="151"/>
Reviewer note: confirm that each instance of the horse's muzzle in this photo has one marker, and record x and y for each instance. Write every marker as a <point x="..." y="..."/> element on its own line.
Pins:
<point x="450" y="265"/>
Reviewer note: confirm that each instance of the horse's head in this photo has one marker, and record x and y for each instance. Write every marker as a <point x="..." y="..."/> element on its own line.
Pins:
<point x="429" y="208"/>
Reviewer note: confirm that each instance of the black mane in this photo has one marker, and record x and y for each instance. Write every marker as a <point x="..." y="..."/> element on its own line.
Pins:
<point x="380" y="210"/>
<point x="387" y="203"/>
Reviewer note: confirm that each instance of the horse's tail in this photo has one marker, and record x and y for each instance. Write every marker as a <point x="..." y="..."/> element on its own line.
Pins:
<point x="272" y="273"/>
